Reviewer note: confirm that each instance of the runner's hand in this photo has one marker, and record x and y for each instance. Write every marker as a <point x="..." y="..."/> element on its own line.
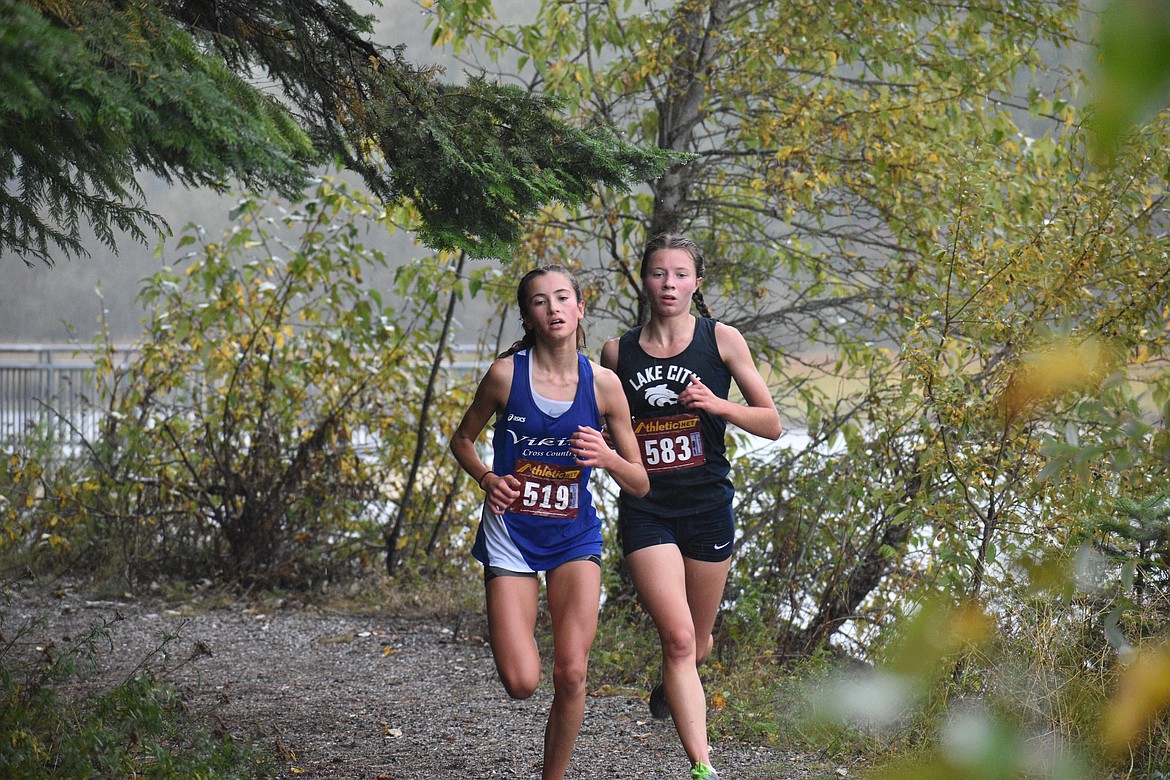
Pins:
<point x="590" y="447"/>
<point x="697" y="395"/>
<point x="605" y="435"/>
<point x="501" y="491"/>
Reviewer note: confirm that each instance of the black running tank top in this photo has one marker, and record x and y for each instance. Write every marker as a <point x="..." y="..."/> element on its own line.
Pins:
<point x="684" y="450"/>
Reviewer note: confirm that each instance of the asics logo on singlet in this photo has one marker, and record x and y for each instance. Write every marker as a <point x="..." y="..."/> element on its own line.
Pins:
<point x="660" y="395"/>
<point x="516" y="418"/>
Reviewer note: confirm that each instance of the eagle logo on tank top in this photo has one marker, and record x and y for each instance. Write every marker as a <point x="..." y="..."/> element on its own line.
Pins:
<point x="660" y="395"/>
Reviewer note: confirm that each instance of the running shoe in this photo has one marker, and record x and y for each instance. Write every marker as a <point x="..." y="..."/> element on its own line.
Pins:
<point x="658" y="706"/>
<point x="703" y="772"/>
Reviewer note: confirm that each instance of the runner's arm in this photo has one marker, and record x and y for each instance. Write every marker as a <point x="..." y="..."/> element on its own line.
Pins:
<point x="490" y="397"/>
<point x="623" y="463"/>
<point x="759" y="416"/>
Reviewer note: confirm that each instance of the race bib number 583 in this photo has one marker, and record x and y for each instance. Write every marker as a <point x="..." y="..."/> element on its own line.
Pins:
<point x="670" y="443"/>
<point x="547" y="490"/>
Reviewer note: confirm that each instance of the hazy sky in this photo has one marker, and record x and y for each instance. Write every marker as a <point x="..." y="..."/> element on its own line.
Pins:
<point x="36" y="302"/>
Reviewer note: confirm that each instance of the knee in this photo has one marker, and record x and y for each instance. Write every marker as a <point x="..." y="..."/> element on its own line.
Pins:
<point x="679" y="645"/>
<point x="569" y="676"/>
<point x="519" y="684"/>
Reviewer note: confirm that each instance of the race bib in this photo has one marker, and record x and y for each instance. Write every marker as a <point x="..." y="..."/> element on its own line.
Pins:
<point x="547" y="490"/>
<point x="670" y="443"/>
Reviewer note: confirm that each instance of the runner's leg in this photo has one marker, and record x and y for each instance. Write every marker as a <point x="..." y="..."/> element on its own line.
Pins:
<point x="574" y="591"/>
<point x="511" y="611"/>
<point x="660" y="577"/>
<point x="705" y="583"/>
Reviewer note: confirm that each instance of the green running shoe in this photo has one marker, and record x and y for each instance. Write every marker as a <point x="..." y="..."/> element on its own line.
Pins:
<point x="703" y="772"/>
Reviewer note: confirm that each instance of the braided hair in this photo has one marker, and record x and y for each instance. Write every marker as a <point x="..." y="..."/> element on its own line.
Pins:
<point x="528" y="340"/>
<point x="672" y="241"/>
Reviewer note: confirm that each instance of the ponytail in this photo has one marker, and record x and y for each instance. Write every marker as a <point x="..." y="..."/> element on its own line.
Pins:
<point x="527" y="341"/>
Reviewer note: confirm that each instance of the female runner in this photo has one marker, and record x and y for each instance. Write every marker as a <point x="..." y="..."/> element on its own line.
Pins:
<point x="549" y="402"/>
<point x="676" y="371"/>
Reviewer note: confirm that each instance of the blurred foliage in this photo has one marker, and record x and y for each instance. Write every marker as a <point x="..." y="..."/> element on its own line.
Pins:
<point x="1131" y="82"/>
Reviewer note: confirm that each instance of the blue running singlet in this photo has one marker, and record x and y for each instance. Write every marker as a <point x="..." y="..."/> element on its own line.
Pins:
<point x="554" y="520"/>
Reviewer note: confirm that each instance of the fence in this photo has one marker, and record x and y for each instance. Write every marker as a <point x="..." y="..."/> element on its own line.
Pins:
<point x="49" y="386"/>
<point x="52" y="386"/>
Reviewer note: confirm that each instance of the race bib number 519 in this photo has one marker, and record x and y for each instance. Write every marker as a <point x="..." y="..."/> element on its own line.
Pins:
<point x="547" y="490"/>
<point x="670" y="443"/>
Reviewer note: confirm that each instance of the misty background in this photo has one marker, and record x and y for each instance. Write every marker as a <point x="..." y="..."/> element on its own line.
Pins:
<point x="62" y="304"/>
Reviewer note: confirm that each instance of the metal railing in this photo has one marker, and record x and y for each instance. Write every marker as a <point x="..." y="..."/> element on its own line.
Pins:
<point x="48" y="386"/>
<point x="52" y="387"/>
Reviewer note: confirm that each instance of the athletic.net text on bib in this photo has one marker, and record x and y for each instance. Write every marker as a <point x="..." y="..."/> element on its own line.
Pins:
<point x="670" y="443"/>
<point x="547" y="490"/>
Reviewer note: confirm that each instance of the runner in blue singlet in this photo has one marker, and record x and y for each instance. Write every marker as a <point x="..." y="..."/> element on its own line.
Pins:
<point x="549" y="403"/>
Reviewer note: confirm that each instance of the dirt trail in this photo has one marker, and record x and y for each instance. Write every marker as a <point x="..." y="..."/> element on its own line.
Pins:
<point x="374" y="697"/>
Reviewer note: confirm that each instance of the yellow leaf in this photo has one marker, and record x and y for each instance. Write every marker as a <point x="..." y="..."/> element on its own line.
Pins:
<point x="718" y="701"/>
<point x="1142" y="696"/>
<point x="1062" y="368"/>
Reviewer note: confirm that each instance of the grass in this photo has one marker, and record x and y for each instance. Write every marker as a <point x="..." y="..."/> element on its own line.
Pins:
<point x="58" y="722"/>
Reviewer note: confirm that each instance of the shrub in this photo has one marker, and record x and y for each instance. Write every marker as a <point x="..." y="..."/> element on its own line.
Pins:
<point x="138" y="728"/>
<point x="263" y="432"/>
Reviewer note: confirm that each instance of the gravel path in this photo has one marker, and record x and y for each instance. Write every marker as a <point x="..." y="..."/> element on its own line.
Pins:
<point x="368" y="697"/>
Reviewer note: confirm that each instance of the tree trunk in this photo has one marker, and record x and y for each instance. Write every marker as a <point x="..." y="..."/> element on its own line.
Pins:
<point x="842" y="599"/>
<point x="394" y="532"/>
<point x="680" y="108"/>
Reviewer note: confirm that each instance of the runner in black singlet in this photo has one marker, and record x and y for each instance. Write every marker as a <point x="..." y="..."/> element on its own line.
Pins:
<point x="676" y="372"/>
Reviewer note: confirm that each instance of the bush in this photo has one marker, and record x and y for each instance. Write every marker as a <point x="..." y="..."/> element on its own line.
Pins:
<point x="264" y="431"/>
<point x="139" y="728"/>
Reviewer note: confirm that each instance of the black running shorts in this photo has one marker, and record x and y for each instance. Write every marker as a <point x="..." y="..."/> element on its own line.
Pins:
<point x="491" y="572"/>
<point x="708" y="536"/>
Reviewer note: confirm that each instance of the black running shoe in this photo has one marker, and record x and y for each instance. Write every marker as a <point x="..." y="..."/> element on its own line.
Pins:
<point x="658" y="706"/>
